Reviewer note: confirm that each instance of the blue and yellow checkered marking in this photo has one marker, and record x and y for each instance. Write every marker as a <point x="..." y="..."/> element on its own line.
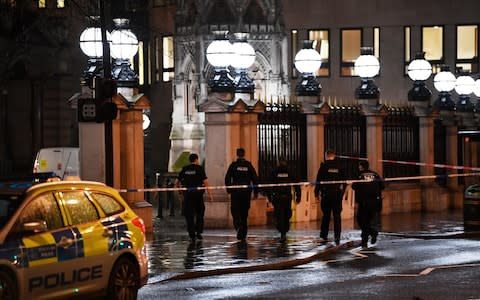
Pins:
<point x="13" y="252"/>
<point x="68" y="253"/>
<point x="120" y="239"/>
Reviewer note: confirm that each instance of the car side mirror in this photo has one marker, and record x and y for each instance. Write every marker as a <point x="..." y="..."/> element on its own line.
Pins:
<point x="35" y="226"/>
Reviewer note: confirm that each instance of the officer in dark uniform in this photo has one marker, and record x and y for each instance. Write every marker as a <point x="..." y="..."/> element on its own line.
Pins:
<point x="332" y="194"/>
<point x="241" y="172"/>
<point x="368" y="195"/>
<point x="192" y="177"/>
<point x="281" y="196"/>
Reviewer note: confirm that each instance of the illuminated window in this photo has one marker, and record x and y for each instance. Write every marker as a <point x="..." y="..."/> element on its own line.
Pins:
<point x="141" y="64"/>
<point x="376" y="42"/>
<point x="432" y="45"/>
<point x="60" y="3"/>
<point x="168" y="59"/>
<point x="294" y="41"/>
<point x="321" y="43"/>
<point x="351" y="40"/>
<point x="407" y="48"/>
<point x="42" y="3"/>
<point x="467" y="48"/>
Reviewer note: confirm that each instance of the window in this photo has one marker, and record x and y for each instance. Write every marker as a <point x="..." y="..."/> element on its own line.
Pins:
<point x="149" y="66"/>
<point x="163" y="2"/>
<point x="351" y="40"/>
<point x="42" y="3"/>
<point x="141" y="64"/>
<point x="80" y="208"/>
<point x="376" y="42"/>
<point x="109" y="205"/>
<point x="407" y="48"/>
<point x="43" y="208"/>
<point x="432" y="45"/>
<point x="321" y="43"/>
<point x="168" y="58"/>
<point x="60" y="3"/>
<point x="158" y="51"/>
<point x="294" y="41"/>
<point x="467" y="48"/>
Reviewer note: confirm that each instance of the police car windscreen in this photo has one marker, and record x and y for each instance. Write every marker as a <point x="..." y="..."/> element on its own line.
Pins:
<point x="8" y="206"/>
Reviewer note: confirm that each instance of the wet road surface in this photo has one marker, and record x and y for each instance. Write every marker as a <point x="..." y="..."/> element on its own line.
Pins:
<point x="171" y="253"/>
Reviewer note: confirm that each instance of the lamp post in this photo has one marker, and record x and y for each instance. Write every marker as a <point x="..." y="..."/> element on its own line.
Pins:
<point x="91" y="45"/>
<point x="464" y="86"/>
<point x="308" y="61"/>
<point x="124" y="46"/>
<point x="367" y="66"/>
<point x="244" y="58"/>
<point x="444" y="83"/>
<point x="220" y="54"/>
<point x="419" y="70"/>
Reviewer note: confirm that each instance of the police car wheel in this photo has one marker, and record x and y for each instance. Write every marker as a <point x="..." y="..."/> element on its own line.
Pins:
<point x="124" y="280"/>
<point x="8" y="288"/>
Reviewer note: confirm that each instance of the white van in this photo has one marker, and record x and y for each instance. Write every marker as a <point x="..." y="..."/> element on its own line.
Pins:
<point x="63" y="161"/>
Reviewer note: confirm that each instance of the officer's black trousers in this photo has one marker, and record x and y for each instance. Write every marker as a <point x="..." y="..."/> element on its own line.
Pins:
<point x="283" y="212"/>
<point x="240" y="204"/>
<point x="331" y="203"/>
<point x="367" y="219"/>
<point x="194" y="211"/>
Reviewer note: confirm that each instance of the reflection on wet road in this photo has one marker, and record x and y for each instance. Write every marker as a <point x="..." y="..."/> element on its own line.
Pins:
<point x="176" y="254"/>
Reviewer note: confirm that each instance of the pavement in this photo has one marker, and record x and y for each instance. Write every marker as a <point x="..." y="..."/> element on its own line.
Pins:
<point x="172" y="256"/>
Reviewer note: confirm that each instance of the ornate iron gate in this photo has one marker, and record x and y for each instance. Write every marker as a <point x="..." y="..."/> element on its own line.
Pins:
<point x="400" y="142"/>
<point x="282" y="132"/>
<point x="345" y="133"/>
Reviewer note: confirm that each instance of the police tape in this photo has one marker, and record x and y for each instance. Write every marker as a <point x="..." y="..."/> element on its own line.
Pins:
<point x="304" y="183"/>
<point x="412" y="163"/>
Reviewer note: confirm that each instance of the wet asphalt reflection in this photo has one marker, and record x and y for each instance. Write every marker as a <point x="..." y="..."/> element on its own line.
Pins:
<point x="174" y="253"/>
<point x="171" y="252"/>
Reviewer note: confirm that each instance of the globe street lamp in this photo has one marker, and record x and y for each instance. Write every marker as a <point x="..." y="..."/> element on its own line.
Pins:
<point x="464" y="86"/>
<point x="444" y="83"/>
<point x="419" y="70"/>
<point x="220" y="54"/>
<point x="367" y="66"/>
<point x="124" y="46"/>
<point x="91" y="45"/>
<point x="308" y="61"/>
<point x="244" y="58"/>
<point x="476" y="91"/>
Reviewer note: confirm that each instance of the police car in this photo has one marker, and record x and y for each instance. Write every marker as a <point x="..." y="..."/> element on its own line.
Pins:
<point x="69" y="238"/>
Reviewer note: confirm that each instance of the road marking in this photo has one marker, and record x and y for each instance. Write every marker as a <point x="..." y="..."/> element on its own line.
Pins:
<point x="429" y="270"/>
<point x="356" y="255"/>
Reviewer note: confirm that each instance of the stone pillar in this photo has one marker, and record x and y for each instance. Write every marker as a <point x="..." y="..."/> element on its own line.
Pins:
<point x="426" y="138"/>
<point x="426" y="146"/>
<point x="315" y="114"/>
<point x="430" y="199"/>
<point x="374" y="114"/>
<point x="129" y="151"/>
<point x="229" y="124"/>
<point x="451" y="128"/>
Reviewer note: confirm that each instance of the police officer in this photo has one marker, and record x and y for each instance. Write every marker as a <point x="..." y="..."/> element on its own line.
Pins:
<point x="241" y="172"/>
<point x="331" y="202"/>
<point x="192" y="177"/>
<point x="368" y="195"/>
<point x="281" y="196"/>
